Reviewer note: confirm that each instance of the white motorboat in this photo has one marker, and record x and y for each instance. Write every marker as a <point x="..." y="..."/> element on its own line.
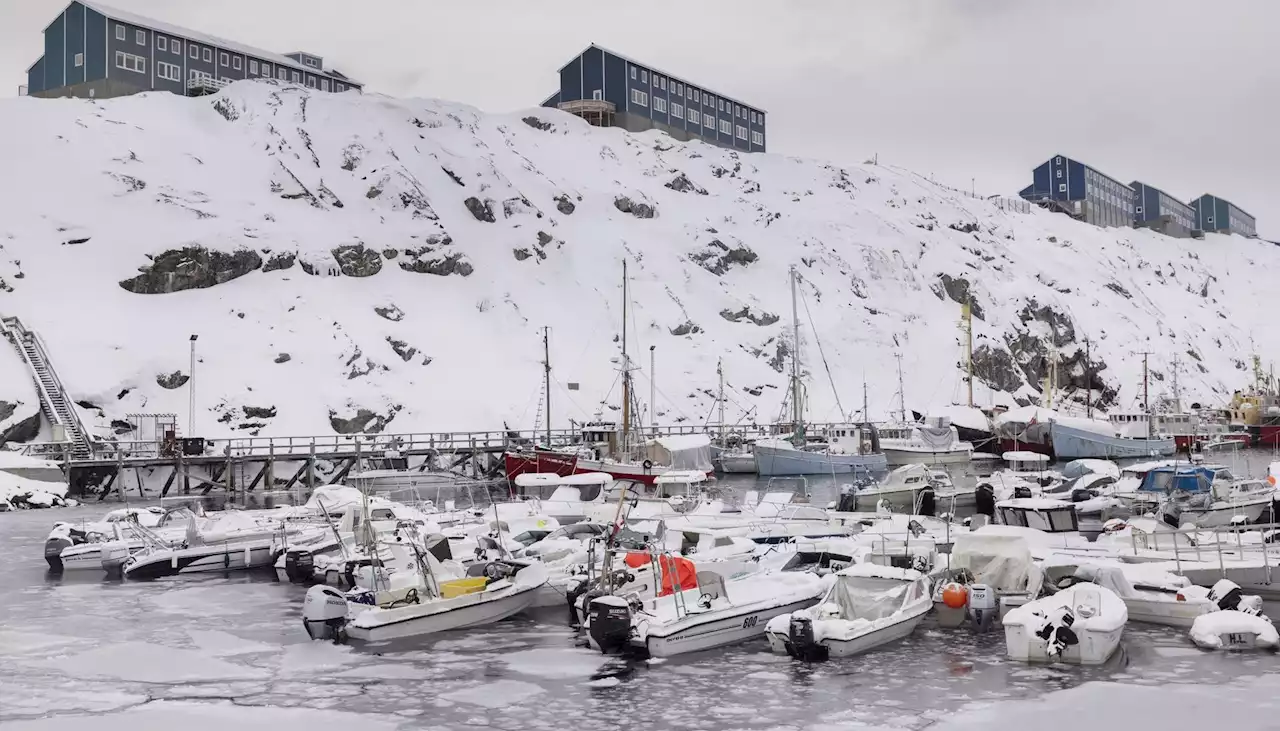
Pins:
<point x="568" y="499"/>
<point x="1080" y="625"/>
<point x="1155" y="597"/>
<point x="430" y="597"/>
<point x="867" y="606"/>
<point x="933" y="442"/>
<point x="1233" y="629"/>
<point x="709" y="613"/>
<point x="1191" y="495"/>
<point x="914" y="487"/>
<point x="237" y="541"/>
<point x="75" y="546"/>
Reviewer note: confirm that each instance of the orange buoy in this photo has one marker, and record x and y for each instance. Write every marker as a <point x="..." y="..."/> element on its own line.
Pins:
<point x="955" y="595"/>
<point x="1271" y="480"/>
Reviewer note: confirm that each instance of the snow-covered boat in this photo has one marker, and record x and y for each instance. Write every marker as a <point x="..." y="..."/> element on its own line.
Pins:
<point x="1192" y="495"/>
<point x="1073" y="442"/>
<point x="912" y="487"/>
<point x="867" y="606"/>
<point x="1155" y="597"/>
<point x="706" y="613"/>
<point x="653" y="458"/>
<point x="429" y="599"/>
<point x="75" y="546"/>
<point x="237" y="541"/>
<point x="933" y="442"/>
<point x="1080" y="625"/>
<point x="850" y="449"/>
<point x="568" y="498"/>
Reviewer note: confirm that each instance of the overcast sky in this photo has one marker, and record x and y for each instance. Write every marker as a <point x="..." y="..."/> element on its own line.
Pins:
<point x="1179" y="94"/>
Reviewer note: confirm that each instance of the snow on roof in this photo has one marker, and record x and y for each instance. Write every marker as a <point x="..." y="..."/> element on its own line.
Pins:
<point x="681" y="477"/>
<point x="876" y="571"/>
<point x="177" y="30"/>
<point x="587" y="478"/>
<point x="682" y="442"/>
<point x="537" y="479"/>
<point x="660" y="72"/>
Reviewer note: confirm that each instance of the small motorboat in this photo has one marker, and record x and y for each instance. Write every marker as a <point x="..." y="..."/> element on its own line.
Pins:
<point x="867" y="606"/>
<point x="430" y="597"/>
<point x="701" y="613"/>
<point x="237" y="541"/>
<point x="1080" y="625"/>
<point x="1155" y="597"/>
<point x="1238" y="625"/>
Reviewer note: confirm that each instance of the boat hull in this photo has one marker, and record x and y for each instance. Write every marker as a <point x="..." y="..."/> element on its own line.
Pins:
<point x="1223" y="516"/>
<point x="898" y="456"/>
<point x="694" y="636"/>
<point x="863" y="643"/>
<point x="475" y="614"/>
<point x="775" y="462"/>
<point x="1018" y="445"/>
<point x="743" y="463"/>
<point x="1170" y="613"/>
<point x="1072" y="443"/>
<point x="203" y="559"/>
<point x="518" y="463"/>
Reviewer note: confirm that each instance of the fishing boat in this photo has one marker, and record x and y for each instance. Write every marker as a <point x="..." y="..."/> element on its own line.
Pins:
<point x="933" y="442"/>
<point x="1080" y="625"/>
<point x="866" y="606"/>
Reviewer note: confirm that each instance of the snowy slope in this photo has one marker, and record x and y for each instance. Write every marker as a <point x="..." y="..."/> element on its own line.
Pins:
<point x="289" y="176"/>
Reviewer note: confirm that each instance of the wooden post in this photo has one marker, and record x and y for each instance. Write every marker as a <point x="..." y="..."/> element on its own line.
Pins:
<point x="473" y="457"/>
<point x="311" y="465"/>
<point x="137" y="475"/>
<point x="229" y="471"/>
<point x="271" y="466"/>
<point x="186" y="481"/>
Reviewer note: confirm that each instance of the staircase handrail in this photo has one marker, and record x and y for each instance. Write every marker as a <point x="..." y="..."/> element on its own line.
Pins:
<point x="13" y="327"/>
<point x="57" y="382"/>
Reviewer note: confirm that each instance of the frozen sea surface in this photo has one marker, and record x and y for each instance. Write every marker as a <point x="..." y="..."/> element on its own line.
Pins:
<point x="221" y="652"/>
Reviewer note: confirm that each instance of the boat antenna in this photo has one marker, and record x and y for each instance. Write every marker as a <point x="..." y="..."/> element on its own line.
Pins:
<point x="797" y="399"/>
<point x="546" y="372"/>
<point x="720" y="396"/>
<point x="902" y="394"/>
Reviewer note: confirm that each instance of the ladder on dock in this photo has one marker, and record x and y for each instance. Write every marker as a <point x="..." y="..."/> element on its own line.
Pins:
<point x="55" y="404"/>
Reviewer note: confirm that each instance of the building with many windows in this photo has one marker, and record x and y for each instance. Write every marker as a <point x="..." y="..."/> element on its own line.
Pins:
<point x="1081" y="191"/>
<point x="1218" y="215"/>
<point x="1159" y="211"/>
<point x="91" y="50"/>
<point x="611" y="90"/>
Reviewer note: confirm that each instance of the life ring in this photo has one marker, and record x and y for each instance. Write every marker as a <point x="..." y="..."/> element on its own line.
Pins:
<point x="647" y="464"/>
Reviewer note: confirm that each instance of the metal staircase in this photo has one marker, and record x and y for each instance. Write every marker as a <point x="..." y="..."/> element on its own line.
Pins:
<point x="55" y="404"/>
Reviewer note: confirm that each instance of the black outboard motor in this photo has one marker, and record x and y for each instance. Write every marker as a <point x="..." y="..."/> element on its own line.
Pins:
<point x="53" y="551"/>
<point x="299" y="566"/>
<point x="848" y="501"/>
<point x="1081" y="494"/>
<point x="801" y="643"/>
<point x="1021" y="491"/>
<point x="1227" y="594"/>
<point x="1057" y="633"/>
<point x="984" y="500"/>
<point x="610" y="624"/>
<point x="928" y="502"/>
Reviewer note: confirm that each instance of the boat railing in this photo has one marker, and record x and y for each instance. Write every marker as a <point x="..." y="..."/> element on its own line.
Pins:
<point x="1226" y="544"/>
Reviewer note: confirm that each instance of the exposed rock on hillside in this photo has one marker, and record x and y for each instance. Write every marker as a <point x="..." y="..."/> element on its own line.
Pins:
<point x="192" y="267"/>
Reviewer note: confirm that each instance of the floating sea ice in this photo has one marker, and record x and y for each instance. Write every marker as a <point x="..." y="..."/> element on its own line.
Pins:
<point x="608" y="682"/>
<point x="495" y="694"/>
<point x="16" y="642"/>
<point x="146" y="663"/>
<point x="195" y="716"/>
<point x="384" y="671"/>
<point x="225" y="644"/>
<point x="309" y="658"/>
<point x="26" y="700"/>
<point x="559" y="663"/>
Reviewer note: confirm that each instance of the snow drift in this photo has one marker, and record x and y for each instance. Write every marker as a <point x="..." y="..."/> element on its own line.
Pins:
<point x="364" y="263"/>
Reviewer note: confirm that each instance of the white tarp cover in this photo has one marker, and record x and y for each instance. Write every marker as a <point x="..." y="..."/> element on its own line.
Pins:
<point x="684" y="452"/>
<point x="860" y="597"/>
<point x="938" y="437"/>
<point x="1002" y="562"/>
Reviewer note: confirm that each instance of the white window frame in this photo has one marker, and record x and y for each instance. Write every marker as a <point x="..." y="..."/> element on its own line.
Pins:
<point x="253" y="66"/>
<point x="141" y="37"/>
<point x="130" y="62"/>
<point x="1059" y="174"/>
<point x="195" y="51"/>
<point x="639" y="98"/>
<point x="726" y="127"/>
<point x="1062" y="187"/>
<point x="236" y="63"/>
<point x="175" y="46"/>
<point x="208" y="55"/>
<point x="341" y="86"/>
<point x="742" y="131"/>
<point x="310" y="62"/>
<point x="644" y="76"/>
<point x="282" y="73"/>
<point x="266" y="70"/>
<point x="78" y="60"/>
<point x="597" y="94"/>
<point x="162" y="43"/>
<point x="722" y="105"/>
<point x="634" y="71"/>
<point x="122" y="32"/>
<point x="708" y="120"/>
<point x="297" y="77"/>
<point x="224" y="59"/>
<point x="168" y="71"/>
<point x="692" y="114"/>
<point x="311" y="82"/>
<point x="677" y="110"/>
<point x="324" y="84"/>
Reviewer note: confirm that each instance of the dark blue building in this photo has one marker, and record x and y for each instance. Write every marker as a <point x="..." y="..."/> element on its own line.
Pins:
<point x="1157" y="210"/>
<point x="1218" y="215"/>
<point x="1082" y="192"/>
<point x="91" y="50"/>
<point x="611" y="90"/>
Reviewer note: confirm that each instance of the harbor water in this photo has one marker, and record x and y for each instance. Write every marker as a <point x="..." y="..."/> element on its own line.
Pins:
<point x="207" y="652"/>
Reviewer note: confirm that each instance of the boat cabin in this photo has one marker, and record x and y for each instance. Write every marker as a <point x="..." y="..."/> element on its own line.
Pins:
<point x="1181" y="478"/>
<point x="686" y="483"/>
<point x="853" y="439"/>
<point x="1032" y="462"/>
<point x="1043" y="514"/>
<point x="586" y="487"/>
<point x="601" y="434"/>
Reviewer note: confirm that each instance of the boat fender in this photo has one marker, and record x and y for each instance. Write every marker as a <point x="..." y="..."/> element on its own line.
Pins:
<point x="802" y="643"/>
<point x="647" y="464"/>
<point x="324" y="614"/>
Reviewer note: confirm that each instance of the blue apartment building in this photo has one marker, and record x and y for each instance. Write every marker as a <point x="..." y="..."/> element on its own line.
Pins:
<point x="611" y="90"/>
<point x="1081" y="191"/>
<point x="1218" y="215"/>
<point x="1159" y="211"/>
<point x="95" y="51"/>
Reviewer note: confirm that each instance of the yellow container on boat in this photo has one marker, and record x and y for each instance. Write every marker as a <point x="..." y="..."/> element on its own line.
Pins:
<point x="459" y="587"/>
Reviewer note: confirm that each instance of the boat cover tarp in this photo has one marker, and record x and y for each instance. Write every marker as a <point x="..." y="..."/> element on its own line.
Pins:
<point x="940" y="438"/>
<point x="866" y="598"/>
<point x="1002" y="562"/>
<point x="1195" y="480"/>
<point x="683" y="452"/>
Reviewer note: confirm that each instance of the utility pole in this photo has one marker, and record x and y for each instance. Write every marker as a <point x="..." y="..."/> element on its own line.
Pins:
<point x="966" y="326"/>
<point x="626" y="369"/>
<point x="902" y="394"/>
<point x="191" y="390"/>
<point x="1146" y="383"/>
<point x="546" y="368"/>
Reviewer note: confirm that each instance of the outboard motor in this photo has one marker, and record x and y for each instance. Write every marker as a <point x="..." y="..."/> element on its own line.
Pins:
<point x="300" y="566"/>
<point x="114" y="555"/>
<point x="609" y="619"/>
<point x="1081" y="494"/>
<point x="928" y="502"/>
<point x="801" y="642"/>
<point x="53" y="551"/>
<point x="1226" y="594"/>
<point x="1057" y="632"/>
<point x="324" y="613"/>
<point x="984" y="500"/>
<point x="984" y="606"/>
<point x="848" y="500"/>
<point x="1021" y="491"/>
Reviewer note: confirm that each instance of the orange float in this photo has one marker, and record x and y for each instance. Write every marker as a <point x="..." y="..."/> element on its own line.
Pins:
<point x="955" y="595"/>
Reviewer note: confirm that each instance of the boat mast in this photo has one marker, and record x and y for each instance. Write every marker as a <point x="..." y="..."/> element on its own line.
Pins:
<point x="966" y="324"/>
<point x="626" y="366"/>
<point x="546" y="368"/>
<point x="1088" y="381"/>
<point x="720" y="396"/>
<point x="1146" y="404"/>
<point x="902" y="394"/>
<point x="797" y="403"/>
<point x="1177" y="391"/>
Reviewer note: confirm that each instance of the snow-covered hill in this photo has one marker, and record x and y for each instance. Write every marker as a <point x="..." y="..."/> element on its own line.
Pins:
<point x="359" y="261"/>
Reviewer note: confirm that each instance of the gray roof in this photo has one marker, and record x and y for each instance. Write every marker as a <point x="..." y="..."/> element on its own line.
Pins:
<point x="683" y="79"/>
<point x="177" y="30"/>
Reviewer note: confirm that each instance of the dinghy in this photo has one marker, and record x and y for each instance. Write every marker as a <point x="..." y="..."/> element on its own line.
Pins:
<point x="1239" y="625"/>
<point x="1080" y="625"/>
<point x="867" y="606"/>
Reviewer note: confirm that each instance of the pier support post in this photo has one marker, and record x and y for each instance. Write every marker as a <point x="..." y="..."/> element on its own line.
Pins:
<point x="311" y="466"/>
